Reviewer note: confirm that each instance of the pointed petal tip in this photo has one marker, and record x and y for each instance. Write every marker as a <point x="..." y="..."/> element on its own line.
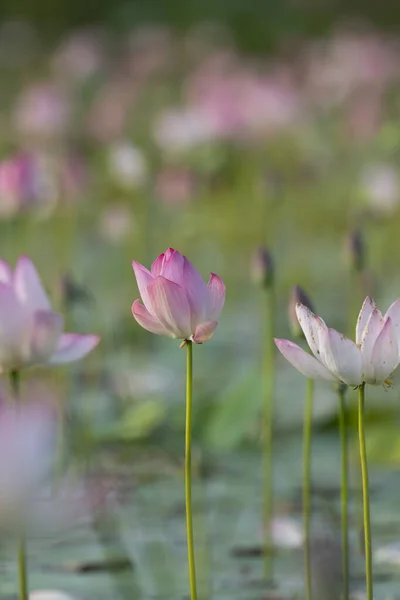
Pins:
<point x="74" y="346"/>
<point x="308" y="365"/>
<point x="137" y="265"/>
<point x="28" y="285"/>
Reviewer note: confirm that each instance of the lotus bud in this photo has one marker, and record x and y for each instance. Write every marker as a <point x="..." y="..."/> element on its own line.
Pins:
<point x="297" y="295"/>
<point x="73" y="293"/>
<point x="262" y="267"/>
<point x="355" y="250"/>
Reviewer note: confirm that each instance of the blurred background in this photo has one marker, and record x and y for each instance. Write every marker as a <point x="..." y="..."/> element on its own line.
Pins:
<point x="214" y="128"/>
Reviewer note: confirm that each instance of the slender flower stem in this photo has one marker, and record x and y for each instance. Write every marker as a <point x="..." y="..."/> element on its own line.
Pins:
<point x="188" y="470"/>
<point x="344" y="490"/>
<point x="268" y="377"/>
<point x="364" y="473"/>
<point x="22" y="568"/>
<point x="307" y="431"/>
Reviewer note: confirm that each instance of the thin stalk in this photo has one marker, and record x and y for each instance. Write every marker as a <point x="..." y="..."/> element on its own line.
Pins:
<point x="307" y="431"/>
<point x="365" y="488"/>
<point x="21" y="552"/>
<point x="22" y="569"/>
<point x="188" y="470"/>
<point x="268" y="377"/>
<point x="344" y="490"/>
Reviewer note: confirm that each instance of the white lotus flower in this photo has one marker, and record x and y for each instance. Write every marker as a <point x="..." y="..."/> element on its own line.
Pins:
<point x="371" y="359"/>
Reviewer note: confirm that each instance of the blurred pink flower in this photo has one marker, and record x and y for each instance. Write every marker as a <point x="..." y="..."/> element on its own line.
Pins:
<point x="175" y="186"/>
<point x="227" y="100"/>
<point x="349" y="62"/>
<point x="240" y="101"/>
<point x="107" y="118"/>
<point x="116" y="223"/>
<point x="176" y="301"/>
<point x="11" y="184"/>
<point x="72" y="176"/>
<point x="25" y="181"/>
<point x="42" y="111"/>
<point x="79" y="56"/>
<point x="28" y="446"/>
<point x="364" y="116"/>
<point x="38" y="181"/>
<point x="181" y="129"/>
<point x="30" y="332"/>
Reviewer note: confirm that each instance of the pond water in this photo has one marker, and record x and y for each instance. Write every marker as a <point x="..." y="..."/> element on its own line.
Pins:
<point x="140" y="552"/>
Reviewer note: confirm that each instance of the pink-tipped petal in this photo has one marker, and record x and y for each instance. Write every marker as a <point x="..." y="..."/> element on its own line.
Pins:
<point x="302" y="361"/>
<point x="216" y="290"/>
<point x="147" y="321"/>
<point x="341" y="356"/>
<point x="394" y="313"/>
<point x="204" y="332"/>
<point x="385" y="354"/>
<point x="363" y="317"/>
<point x="143" y="280"/>
<point x="197" y="293"/>
<point x="6" y="273"/>
<point x="28" y="286"/>
<point x="172" y="267"/>
<point x="312" y="326"/>
<point x="156" y="267"/>
<point x="73" y="346"/>
<point x="46" y="331"/>
<point x="372" y="329"/>
<point x="168" y="303"/>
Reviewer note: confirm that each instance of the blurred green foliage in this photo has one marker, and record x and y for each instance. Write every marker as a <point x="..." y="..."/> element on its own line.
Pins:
<point x="257" y="25"/>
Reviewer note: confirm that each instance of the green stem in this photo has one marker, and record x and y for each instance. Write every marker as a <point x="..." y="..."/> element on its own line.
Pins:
<point x="15" y="384"/>
<point x="267" y="427"/>
<point x="21" y="558"/>
<point x="344" y="490"/>
<point x="22" y="570"/>
<point x="307" y="432"/>
<point x="365" y="488"/>
<point x="188" y="470"/>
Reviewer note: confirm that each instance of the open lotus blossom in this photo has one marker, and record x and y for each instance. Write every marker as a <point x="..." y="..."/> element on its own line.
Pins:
<point x="371" y="359"/>
<point x="176" y="300"/>
<point x="30" y="332"/>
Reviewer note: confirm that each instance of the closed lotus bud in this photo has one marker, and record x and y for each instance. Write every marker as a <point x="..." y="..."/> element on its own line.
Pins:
<point x="73" y="293"/>
<point x="297" y="295"/>
<point x="262" y="267"/>
<point x="355" y="250"/>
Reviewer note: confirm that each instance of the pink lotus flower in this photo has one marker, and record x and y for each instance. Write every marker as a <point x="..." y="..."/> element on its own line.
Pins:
<point x="42" y="111"/>
<point x="372" y="359"/>
<point x="30" y="332"/>
<point x="176" y="301"/>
